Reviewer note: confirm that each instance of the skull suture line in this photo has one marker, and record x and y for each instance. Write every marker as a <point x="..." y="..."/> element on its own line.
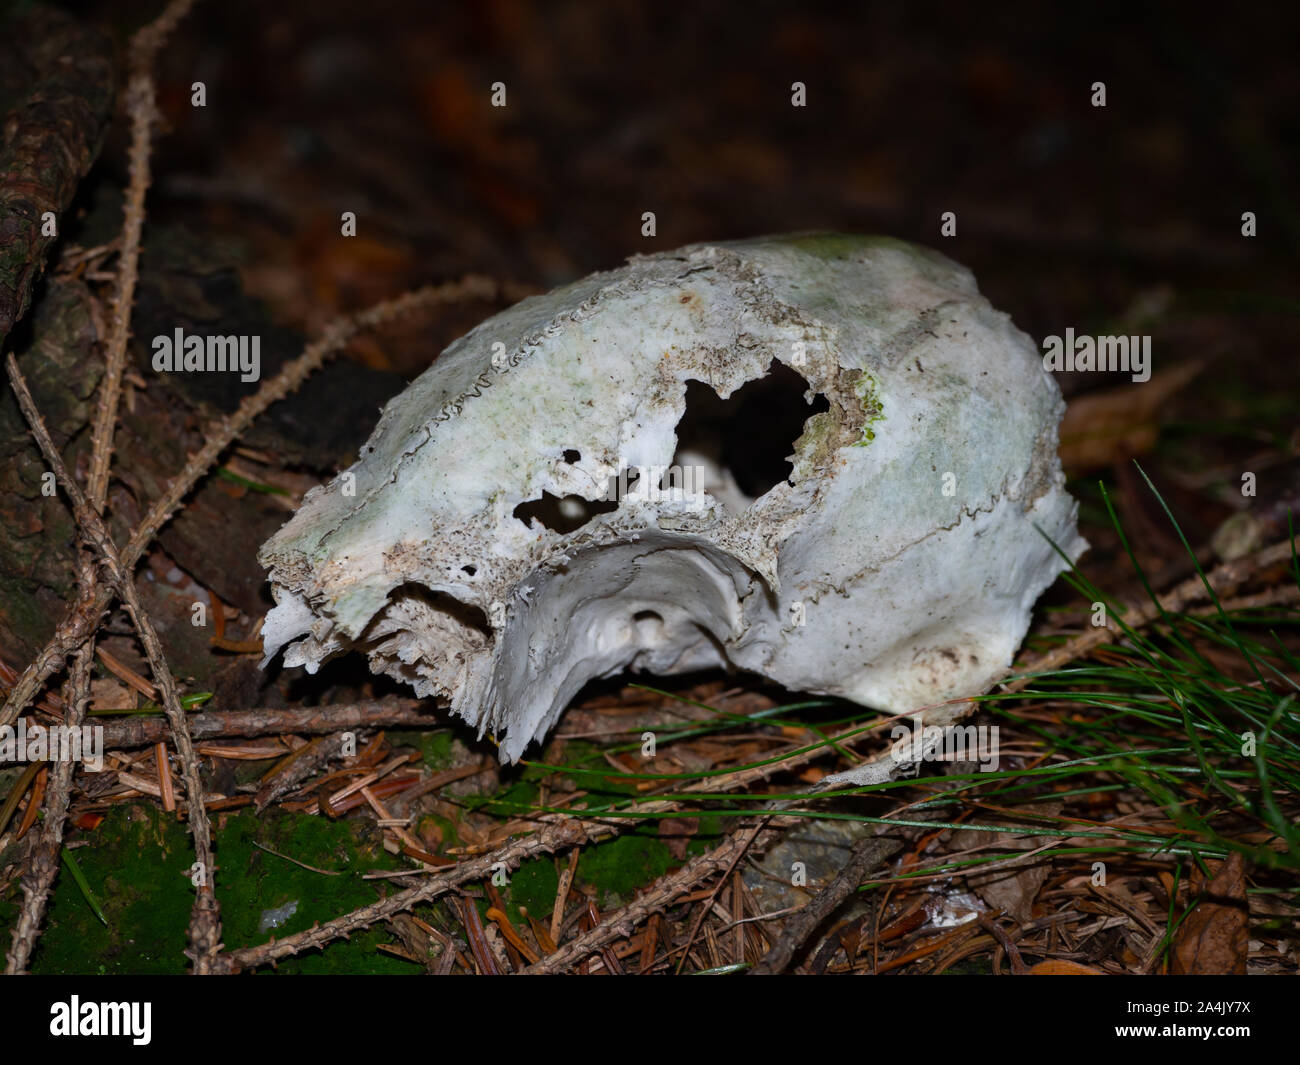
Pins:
<point x="477" y="554"/>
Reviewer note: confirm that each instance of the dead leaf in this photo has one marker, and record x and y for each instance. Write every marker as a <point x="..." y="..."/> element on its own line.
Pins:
<point x="1110" y="426"/>
<point x="676" y="833"/>
<point x="1012" y="889"/>
<point x="1213" y="938"/>
<point x="1061" y="967"/>
<point x="107" y="693"/>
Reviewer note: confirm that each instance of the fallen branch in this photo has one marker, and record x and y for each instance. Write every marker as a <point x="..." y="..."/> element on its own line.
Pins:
<point x="130" y="732"/>
<point x="556" y="832"/>
<point x="80" y="625"/>
<point x="618" y="925"/>
<point x="556" y="835"/>
<point x="746" y="841"/>
<point x="142" y="106"/>
<point x="868" y="854"/>
<point x="143" y="111"/>
<point x="205" y="928"/>
<point x="43" y="865"/>
<point x="297" y="767"/>
<point x="50" y="141"/>
<point x="84" y="616"/>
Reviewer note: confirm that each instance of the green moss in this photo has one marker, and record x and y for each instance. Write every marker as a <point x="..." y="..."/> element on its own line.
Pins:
<point x="616" y="869"/>
<point x="872" y="406"/>
<point x="509" y="800"/>
<point x="707" y="836"/>
<point x="137" y="864"/>
<point x="436" y="748"/>
<point x="533" y="886"/>
<point x="620" y="866"/>
<point x="252" y="880"/>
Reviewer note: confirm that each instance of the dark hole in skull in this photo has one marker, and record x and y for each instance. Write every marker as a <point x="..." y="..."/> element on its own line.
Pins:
<point x="735" y="449"/>
<point x="749" y="436"/>
<point x="562" y="514"/>
<point x="411" y="599"/>
<point x="649" y="625"/>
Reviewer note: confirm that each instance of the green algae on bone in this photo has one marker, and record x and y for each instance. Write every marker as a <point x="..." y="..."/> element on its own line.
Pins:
<point x="843" y="245"/>
<point x="872" y="407"/>
<point x="833" y="247"/>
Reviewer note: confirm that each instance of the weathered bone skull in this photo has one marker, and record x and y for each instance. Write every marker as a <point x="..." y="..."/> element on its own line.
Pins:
<point x="893" y="562"/>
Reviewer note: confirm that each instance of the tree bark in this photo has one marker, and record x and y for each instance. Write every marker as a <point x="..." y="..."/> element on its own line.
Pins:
<point x="50" y="138"/>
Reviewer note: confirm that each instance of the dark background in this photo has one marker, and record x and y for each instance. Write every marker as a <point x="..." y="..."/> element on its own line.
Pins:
<point x="1123" y="219"/>
<point x="1117" y="219"/>
<point x="1065" y="211"/>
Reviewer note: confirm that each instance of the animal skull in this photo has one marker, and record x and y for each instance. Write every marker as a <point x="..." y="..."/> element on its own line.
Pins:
<point x="477" y="551"/>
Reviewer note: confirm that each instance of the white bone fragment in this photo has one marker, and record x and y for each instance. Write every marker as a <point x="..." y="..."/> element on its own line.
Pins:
<point x="893" y="562"/>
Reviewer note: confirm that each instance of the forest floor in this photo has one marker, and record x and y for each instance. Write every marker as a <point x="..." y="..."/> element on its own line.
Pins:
<point x="1141" y="813"/>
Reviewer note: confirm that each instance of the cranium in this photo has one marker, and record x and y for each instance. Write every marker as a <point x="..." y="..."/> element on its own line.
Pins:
<point x="474" y="549"/>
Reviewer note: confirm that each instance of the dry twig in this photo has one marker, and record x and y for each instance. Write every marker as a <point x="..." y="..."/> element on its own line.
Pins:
<point x="721" y="860"/>
<point x="138" y="731"/>
<point x="83" y="618"/>
<point x="868" y="854"/>
<point x="205" y="929"/>
<point x="141" y="107"/>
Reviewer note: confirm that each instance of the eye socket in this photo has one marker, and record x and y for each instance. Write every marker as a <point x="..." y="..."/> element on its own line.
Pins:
<point x="752" y="433"/>
<point x="571" y="456"/>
